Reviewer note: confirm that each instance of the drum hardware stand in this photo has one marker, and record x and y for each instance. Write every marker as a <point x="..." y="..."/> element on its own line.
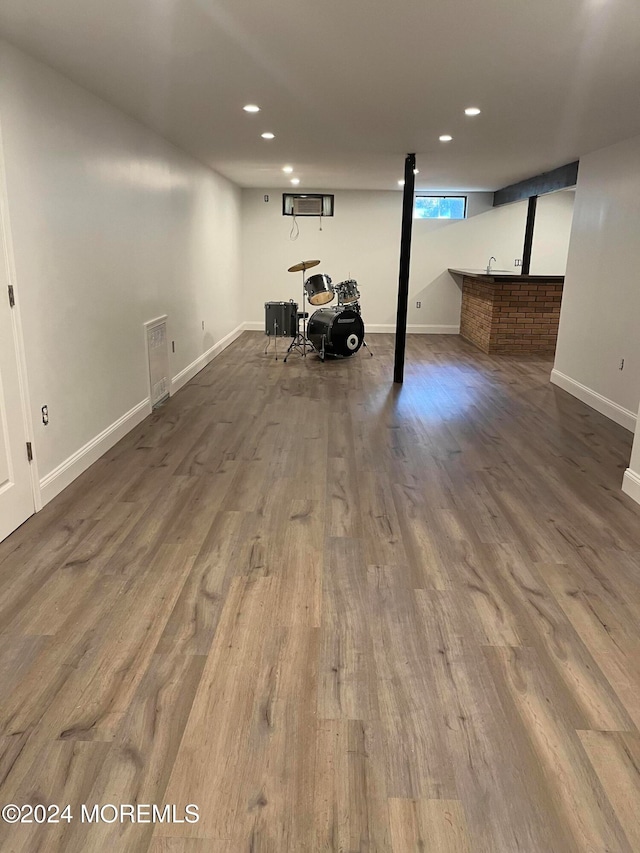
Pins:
<point x="364" y="343"/>
<point x="301" y="342"/>
<point x="357" y="309"/>
<point x="324" y="337"/>
<point x="275" y="335"/>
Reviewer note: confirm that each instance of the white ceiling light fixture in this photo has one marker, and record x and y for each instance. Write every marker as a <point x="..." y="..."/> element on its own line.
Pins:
<point x="268" y="135"/>
<point x="416" y="171"/>
<point x="472" y="111"/>
<point x="287" y="169"/>
<point x="295" y="181"/>
<point x="445" y="137"/>
<point x="251" y="108"/>
<point x="400" y="183"/>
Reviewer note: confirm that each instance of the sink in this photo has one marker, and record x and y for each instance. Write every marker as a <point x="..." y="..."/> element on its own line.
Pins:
<point x="493" y="272"/>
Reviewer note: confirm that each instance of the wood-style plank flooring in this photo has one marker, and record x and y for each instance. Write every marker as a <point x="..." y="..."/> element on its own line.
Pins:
<point x="337" y="615"/>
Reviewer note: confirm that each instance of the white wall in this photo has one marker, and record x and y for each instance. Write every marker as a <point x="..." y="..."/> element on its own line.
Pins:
<point x="112" y="226"/>
<point x="362" y="241"/>
<point x="554" y="214"/>
<point x="601" y="302"/>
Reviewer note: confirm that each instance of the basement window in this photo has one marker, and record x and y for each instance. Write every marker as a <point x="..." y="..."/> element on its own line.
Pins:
<point x="307" y="204"/>
<point x="440" y="207"/>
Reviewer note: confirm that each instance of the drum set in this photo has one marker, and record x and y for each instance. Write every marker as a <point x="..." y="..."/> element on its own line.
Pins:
<point x="336" y="331"/>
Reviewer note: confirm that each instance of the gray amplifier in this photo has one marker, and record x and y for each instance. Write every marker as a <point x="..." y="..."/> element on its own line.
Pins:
<point x="280" y="319"/>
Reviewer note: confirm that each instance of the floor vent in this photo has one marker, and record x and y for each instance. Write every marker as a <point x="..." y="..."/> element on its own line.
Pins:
<point x="158" y="358"/>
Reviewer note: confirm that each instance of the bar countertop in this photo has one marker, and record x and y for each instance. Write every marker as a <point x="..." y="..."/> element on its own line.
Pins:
<point x="505" y="275"/>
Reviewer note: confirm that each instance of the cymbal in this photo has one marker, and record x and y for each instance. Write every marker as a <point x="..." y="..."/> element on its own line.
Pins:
<point x="303" y="266"/>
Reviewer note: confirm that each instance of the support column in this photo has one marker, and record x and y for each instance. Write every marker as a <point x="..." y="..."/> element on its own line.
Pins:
<point x="528" y="235"/>
<point x="405" y="262"/>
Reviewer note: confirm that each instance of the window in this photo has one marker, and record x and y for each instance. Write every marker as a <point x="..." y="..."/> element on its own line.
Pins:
<point x="440" y="207"/>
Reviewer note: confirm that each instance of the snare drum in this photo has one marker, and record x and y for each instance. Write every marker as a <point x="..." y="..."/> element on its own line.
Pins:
<point x="319" y="289"/>
<point x="347" y="292"/>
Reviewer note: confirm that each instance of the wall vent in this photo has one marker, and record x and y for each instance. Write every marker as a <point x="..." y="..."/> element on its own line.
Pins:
<point x="158" y="359"/>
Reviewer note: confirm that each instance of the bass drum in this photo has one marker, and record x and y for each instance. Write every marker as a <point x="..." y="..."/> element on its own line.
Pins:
<point x="336" y="331"/>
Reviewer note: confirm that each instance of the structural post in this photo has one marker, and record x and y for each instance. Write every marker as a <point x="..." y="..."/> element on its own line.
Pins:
<point x="528" y="235"/>
<point x="405" y="262"/>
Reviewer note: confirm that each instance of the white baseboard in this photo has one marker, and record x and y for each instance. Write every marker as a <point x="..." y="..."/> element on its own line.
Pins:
<point x="631" y="484"/>
<point x="386" y="328"/>
<point x="601" y="404"/>
<point x="203" y="360"/>
<point x="58" y="479"/>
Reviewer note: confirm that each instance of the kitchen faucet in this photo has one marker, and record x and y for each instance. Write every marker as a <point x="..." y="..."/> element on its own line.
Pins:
<point x="489" y="264"/>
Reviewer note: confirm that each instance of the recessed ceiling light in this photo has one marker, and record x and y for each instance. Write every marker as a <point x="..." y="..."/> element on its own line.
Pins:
<point x="446" y="138"/>
<point x="472" y="111"/>
<point x="251" y="108"/>
<point x="295" y="180"/>
<point x="268" y="135"/>
<point x="400" y="183"/>
<point x="287" y="169"/>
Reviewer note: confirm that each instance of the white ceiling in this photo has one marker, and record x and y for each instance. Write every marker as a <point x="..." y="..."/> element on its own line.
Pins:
<point x="350" y="86"/>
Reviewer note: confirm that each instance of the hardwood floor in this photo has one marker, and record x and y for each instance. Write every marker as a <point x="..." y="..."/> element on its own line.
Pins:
<point x="337" y="615"/>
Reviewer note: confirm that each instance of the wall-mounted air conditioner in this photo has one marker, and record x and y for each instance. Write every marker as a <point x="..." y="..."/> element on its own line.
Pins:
<point x="307" y="204"/>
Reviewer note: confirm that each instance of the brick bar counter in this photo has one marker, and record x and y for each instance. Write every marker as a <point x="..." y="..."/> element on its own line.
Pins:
<point x="507" y="313"/>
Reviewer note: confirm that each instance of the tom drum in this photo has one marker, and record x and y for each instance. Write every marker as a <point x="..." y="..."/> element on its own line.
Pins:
<point x="347" y="292"/>
<point x="319" y="289"/>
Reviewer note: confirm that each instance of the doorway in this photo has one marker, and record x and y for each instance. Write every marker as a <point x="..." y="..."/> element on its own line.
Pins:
<point x="16" y="489"/>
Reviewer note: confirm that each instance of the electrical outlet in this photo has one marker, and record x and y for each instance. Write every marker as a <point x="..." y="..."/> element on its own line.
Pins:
<point x="517" y="262"/>
<point x="45" y="415"/>
<point x="418" y="304"/>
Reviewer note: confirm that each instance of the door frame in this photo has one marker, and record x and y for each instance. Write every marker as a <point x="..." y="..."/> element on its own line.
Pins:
<point x="8" y="260"/>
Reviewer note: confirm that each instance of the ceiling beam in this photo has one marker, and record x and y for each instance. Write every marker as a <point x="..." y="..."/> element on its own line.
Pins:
<point x="547" y="182"/>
